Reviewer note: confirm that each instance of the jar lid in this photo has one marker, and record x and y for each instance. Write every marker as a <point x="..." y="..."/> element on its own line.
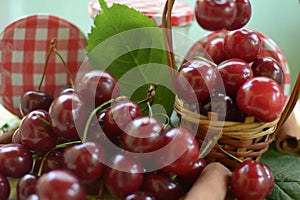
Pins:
<point x="182" y="13"/>
<point x="24" y="45"/>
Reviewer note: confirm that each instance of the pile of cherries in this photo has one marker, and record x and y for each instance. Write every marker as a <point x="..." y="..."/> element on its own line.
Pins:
<point x="229" y="75"/>
<point x="86" y="139"/>
<point x="68" y="149"/>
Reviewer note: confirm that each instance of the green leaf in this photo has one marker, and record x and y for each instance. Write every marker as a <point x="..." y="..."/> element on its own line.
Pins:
<point x="286" y="169"/>
<point x="130" y="46"/>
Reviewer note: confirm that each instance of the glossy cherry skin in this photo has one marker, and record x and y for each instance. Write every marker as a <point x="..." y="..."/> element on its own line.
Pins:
<point x="215" y="15"/>
<point x="32" y="100"/>
<point x="60" y="184"/>
<point x="123" y="175"/>
<point x="15" y="159"/>
<point x="195" y="80"/>
<point x="144" y="134"/>
<point x="187" y="179"/>
<point x="234" y="72"/>
<point x="119" y="115"/>
<point x="98" y="85"/>
<point x="36" y="133"/>
<point x="68" y="114"/>
<point x="262" y="98"/>
<point x="243" y="14"/>
<point x="269" y="67"/>
<point x="53" y="161"/>
<point x="4" y="187"/>
<point x="215" y="49"/>
<point x="181" y="151"/>
<point x="26" y="186"/>
<point x="85" y="160"/>
<point x="224" y="105"/>
<point x="162" y="185"/>
<point x="250" y="180"/>
<point x="242" y="43"/>
<point x="140" y="195"/>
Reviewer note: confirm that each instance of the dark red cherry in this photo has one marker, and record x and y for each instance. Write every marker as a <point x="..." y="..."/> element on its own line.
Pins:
<point x="15" y="159"/>
<point x="123" y="175"/>
<point x="187" y="179"/>
<point x="234" y="72"/>
<point x="195" y="80"/>
<point x="181" y="151"/>
<point x="68" y="114"/>
<point x="32" y="100"/>
<point x="243" y="14"/>
<point x="215" y="49"/>
<point x="26" y="186"/>
<point x="98" y="85"/>
<point x="215" y="15"/>
<point x="250" y="180"/>
<point x="36" y="133"/>
<point x="269" y="67"/>
<point x="119" y="115"/>
<point x="144" y="134"/>
<point x="85" y="160"/>
<point x="60" y="184"/>
<point x="242" y="43"/>
<point x="140" y="195"/>
<point x="262" y="98"/>
<point x="4" y="187"/>
<point x="163" y="185"/>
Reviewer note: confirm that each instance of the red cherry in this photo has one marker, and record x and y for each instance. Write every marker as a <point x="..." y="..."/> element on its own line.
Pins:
<point x="143" y="135"/>
<point x="60" y="184"/>
<point x="269" y="67"/>
<point x="36" y="133"/>
<point x="234" y="72"/>
<point x="242" y="43"/>
<point x="250" y="180"/>
<point x="215" y="15"/>
<point x="4" y="187"/>
<point x="215" y="49"/>
<point x="15" y="159"/>
<point x="195" y="80"/>
<point x="262" y="98"/>
<point x="123" y="176"/>
<point x="119" y="115"/>
<point x="243" y="14"/>
<point x="181" y="151"/>
<point x="98" y="85"/>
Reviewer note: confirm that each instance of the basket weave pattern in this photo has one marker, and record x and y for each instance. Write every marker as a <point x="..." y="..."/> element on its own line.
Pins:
<point x="244" y="140"/>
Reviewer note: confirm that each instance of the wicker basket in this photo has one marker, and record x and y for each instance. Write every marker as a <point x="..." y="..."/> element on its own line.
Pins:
<point x="243" y="140"/>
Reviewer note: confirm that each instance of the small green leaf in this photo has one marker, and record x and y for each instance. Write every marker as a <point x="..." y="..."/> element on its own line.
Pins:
<point x="128" y="44"/>
<point x="286" y="169"/>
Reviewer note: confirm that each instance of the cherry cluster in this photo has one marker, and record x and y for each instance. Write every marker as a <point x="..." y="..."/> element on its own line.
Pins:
<point x="90" y="137"/>
<point x="236" y="81"/>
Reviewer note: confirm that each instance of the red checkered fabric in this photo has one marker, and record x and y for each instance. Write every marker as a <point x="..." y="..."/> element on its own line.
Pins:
<point x="24" y="45"/>
<point x="182" y="13"/>
<point x="269" y="48"/>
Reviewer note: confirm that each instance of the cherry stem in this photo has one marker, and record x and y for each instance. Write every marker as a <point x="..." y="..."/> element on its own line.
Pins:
<point x="52" y="46"/>
<point x="44" y="121"/>
<point x="93" y="113"/>
<point x="66" y="67"/>
<point x="150" y="94"/>
<point x="228" y="154"/>
<point x="59" y="146"/>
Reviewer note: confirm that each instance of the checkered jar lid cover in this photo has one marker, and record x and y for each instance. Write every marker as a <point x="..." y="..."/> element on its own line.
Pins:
<point x="182" y="13"/>
<point x="24" y="45"/>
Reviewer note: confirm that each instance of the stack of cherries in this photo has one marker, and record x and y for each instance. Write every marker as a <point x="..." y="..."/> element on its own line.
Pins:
<point x="86" y="138"/>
